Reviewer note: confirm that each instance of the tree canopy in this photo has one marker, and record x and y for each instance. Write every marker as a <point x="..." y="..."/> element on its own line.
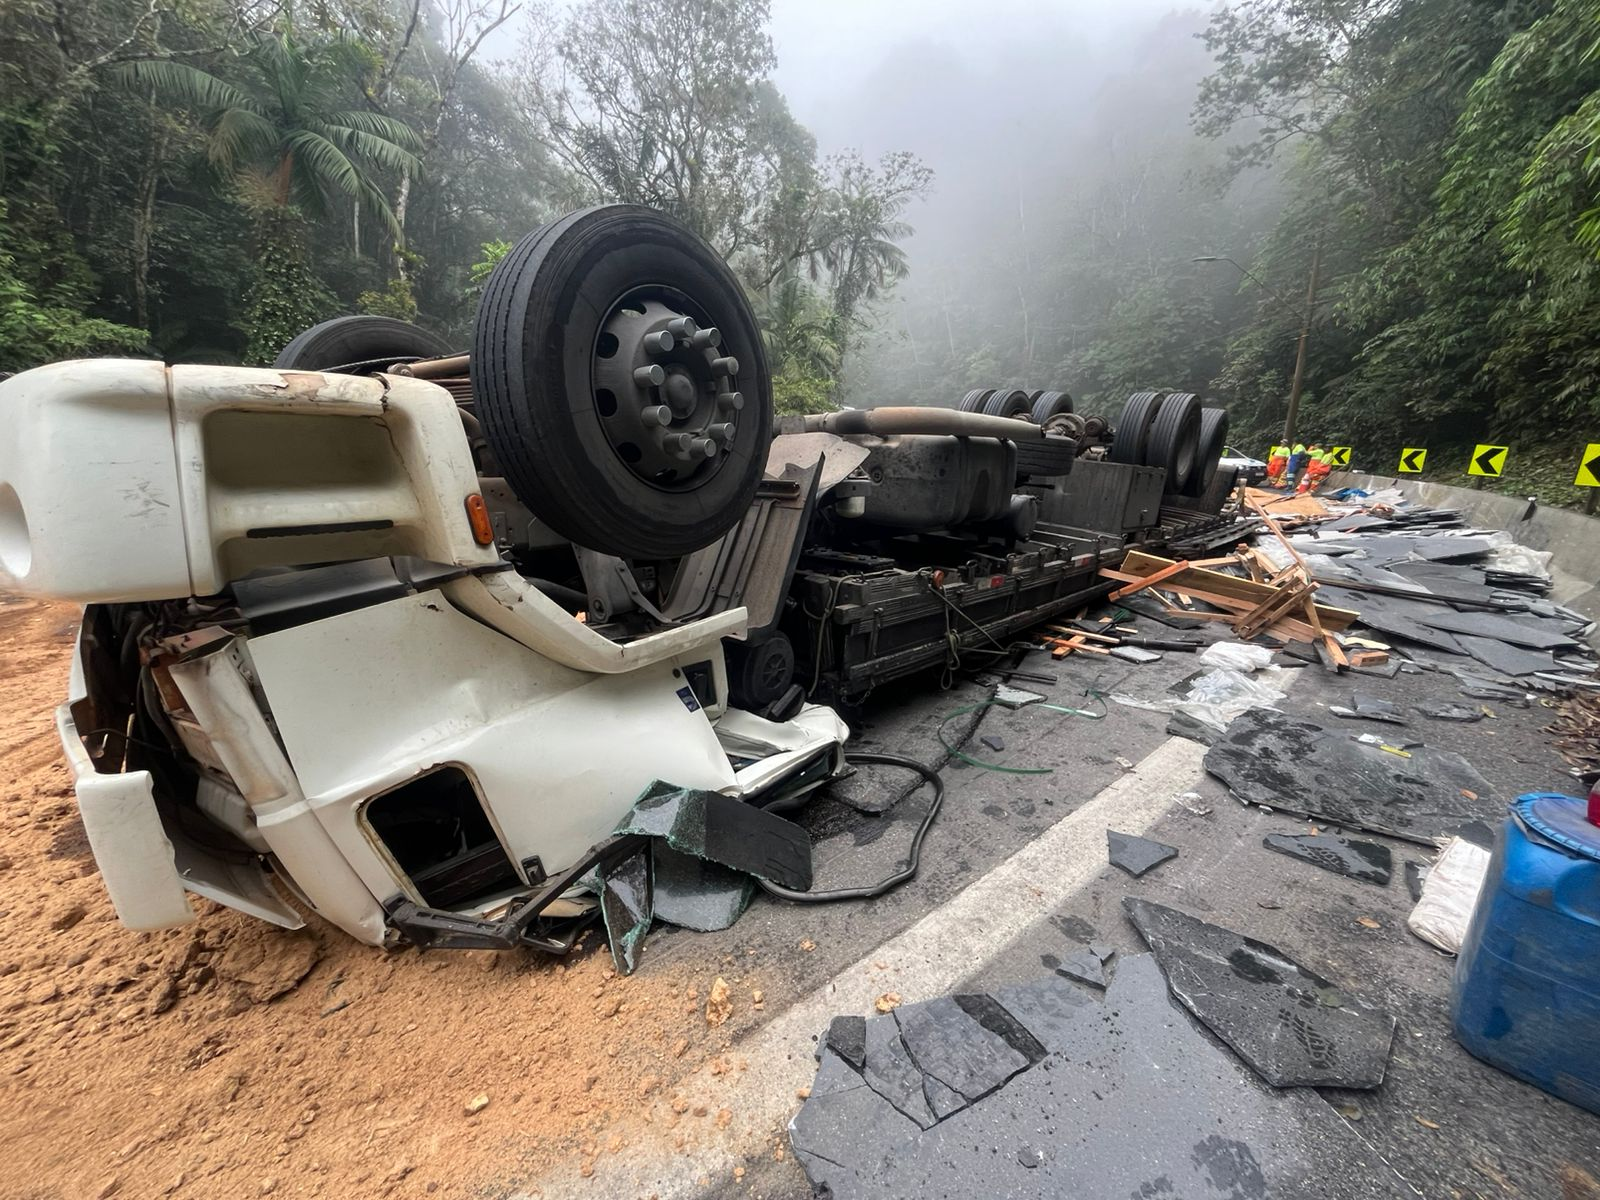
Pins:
<point x="200" y="180"/>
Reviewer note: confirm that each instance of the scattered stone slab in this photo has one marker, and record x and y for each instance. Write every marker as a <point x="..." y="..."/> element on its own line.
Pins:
<point x="1301" y="766"/>
<point x="1137" y="855"/>
<point x="1369" y="862"/>
<point x="1448" y="710"/>
<point x="1172" y="1114"/>
<point x="1293" y="1027"/>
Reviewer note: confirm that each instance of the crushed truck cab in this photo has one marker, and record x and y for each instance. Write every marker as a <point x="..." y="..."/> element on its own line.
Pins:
<point x="413" y="636"/>
<point x="298" y="663"/>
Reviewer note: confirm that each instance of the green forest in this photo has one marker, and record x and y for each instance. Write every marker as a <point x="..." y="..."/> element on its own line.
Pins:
<point x="201" y="179"/>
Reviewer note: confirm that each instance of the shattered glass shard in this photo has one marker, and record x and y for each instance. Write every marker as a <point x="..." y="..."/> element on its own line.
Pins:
<point x="1136" y="855"/>
<point x="724" y="830"/>
<point x="695" y="894"/>
<point x="1369" y="862"/>
<point x="625" y="906"/>
<point x="1292" y="1026"/>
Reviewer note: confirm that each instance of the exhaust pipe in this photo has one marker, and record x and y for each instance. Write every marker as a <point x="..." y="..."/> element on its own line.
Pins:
<point x="882" y="422"/>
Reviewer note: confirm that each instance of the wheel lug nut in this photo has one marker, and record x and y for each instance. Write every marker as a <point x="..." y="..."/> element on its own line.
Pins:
<point x="678" y="443"/>
<point x="722" y="433"/>
<point x="730" y="401"/>
<point x="683" y="327"/>
<point x="710" y="336"/>
<point x="725" y="366"/>
<point x="652" y="376"/>
<point x="657" y="414"/>
<point x="660" y="342"/>
<point x="702" y="448"/>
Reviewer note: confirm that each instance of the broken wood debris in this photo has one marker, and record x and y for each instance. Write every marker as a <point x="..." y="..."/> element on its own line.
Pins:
<point x="1280" y="605"/>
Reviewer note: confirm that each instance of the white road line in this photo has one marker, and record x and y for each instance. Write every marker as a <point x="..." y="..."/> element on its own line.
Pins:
<point x="925" y="960"/>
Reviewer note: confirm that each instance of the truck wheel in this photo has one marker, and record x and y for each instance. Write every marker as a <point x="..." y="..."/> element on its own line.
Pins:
<point x="1050" y="404"/>
<point x="359" y="345"/>
<point x="760" y="672"/>
<point x="622" y="384"/>
<point x="1133" y="427"/>
<point x="974" y="400"/>
<point x="1008" y="403"/>
<point x="1213" y="440"/>
<point x="1173" y="439"/>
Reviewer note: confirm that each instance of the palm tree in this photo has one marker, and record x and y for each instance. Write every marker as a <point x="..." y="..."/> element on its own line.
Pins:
<point x="292" y="143"/>
<point x="287" y="144"/>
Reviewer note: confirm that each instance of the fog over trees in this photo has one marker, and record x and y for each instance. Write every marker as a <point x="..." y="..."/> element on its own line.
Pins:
<point x="946" y="199"/>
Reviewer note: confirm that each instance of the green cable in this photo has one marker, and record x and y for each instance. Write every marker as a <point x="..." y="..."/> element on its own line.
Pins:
<point x="989" y="766"/>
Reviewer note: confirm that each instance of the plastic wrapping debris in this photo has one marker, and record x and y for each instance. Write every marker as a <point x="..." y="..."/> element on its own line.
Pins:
<point x="1160" y="706"/>
<point x="1506" y="555"/>
<point x="1241" y="656"/>
<point x="1369" y="708"/>
<point x="1449" y="894"/>
<point x="1219" y="696"/>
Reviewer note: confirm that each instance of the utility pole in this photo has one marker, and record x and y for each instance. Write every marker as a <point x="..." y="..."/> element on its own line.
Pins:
<point x="1293" y="416"/>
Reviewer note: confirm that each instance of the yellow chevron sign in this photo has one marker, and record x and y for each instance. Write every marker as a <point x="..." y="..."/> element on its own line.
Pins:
<point x="1341" y="456"/>
<point x="1589" y="467"/>
<point x="1488" y="460"/>
<point x="1412" y="459"/>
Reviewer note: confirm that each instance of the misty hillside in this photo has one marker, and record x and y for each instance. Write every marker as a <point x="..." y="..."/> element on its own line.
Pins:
<point x="945" y="201"/>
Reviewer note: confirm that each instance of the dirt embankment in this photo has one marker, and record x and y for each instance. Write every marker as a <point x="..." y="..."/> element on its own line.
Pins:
<point x="229" y="1058"/>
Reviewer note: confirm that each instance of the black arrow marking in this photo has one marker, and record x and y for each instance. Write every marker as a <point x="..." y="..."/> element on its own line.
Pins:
<point x="1408" y="460"/>
<point x="1593" y="467"/>
<point x="1344" y="457"/>
<point x="1485" y="461"/>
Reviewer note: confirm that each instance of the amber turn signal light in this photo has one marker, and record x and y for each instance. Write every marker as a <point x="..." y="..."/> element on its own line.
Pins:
<point x="478" y="518"/>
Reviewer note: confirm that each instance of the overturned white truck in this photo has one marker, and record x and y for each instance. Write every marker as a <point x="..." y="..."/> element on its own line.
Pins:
<point x="404" y="633"/>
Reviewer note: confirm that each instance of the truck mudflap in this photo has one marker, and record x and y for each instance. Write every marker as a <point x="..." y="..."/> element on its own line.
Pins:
<point x="146" y="869"/>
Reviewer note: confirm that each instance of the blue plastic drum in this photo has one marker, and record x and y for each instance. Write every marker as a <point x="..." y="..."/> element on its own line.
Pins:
<point x="1527" y="986"/>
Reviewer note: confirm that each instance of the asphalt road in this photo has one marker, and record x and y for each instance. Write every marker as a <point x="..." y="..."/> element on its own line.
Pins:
<point x="1015" y="871"/>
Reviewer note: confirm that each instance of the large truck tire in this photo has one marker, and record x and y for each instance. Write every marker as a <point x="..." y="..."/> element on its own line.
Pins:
<point x="1008" y="403"/>
<point x="621" y="381"/>
<point x="1050" y="404"/>
<point x="1133" y="428"/>
<point x="1174" y="438"/>
<point x="1213" y="442"/>
<point x="359" y="345"/>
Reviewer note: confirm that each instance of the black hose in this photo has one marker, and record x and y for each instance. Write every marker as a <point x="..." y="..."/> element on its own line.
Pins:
<point x="563" y="595"/>
<point x="912" y="860"/>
